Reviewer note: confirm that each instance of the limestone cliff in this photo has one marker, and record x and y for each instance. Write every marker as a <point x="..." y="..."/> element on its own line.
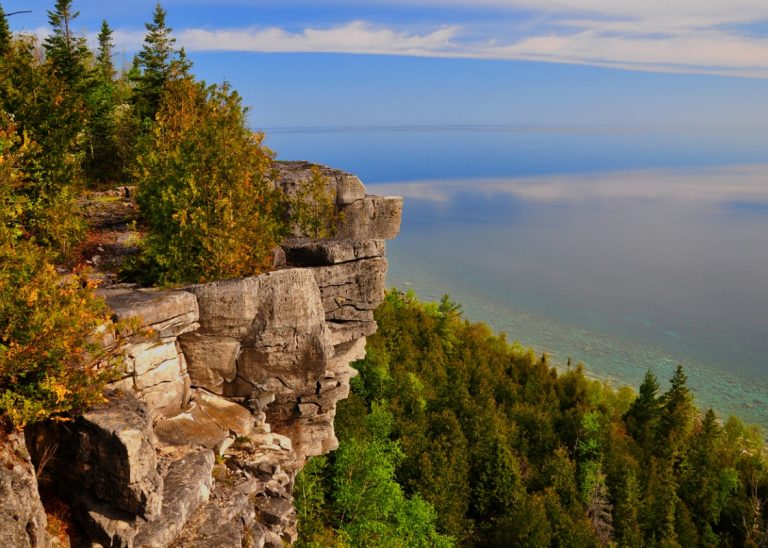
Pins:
<point x="228" y="388"/>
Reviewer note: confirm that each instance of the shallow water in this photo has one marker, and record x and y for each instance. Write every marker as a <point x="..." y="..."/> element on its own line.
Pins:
<point x="622" y="249"/>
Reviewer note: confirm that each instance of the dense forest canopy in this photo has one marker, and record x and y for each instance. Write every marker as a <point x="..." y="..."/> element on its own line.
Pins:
<point x="498" y="449"/>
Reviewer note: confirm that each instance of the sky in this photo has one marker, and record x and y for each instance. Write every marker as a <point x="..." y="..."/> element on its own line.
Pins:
<point x="551" y="63"/>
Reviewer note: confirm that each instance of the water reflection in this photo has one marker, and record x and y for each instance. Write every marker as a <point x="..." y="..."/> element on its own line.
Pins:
<point x="624" y="271"/>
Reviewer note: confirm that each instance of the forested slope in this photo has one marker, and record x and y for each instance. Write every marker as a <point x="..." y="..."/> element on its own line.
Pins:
<point x="451" y="430"/>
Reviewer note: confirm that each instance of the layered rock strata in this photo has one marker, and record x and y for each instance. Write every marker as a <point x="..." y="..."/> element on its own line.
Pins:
<point x="228" y="388"/>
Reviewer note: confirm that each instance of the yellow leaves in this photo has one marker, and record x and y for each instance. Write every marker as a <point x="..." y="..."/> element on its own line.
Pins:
<point x="32" y="297"/>
<point x="93" y="283"/>
<point x="60" y="391"/>
<point x="46" y="329"/>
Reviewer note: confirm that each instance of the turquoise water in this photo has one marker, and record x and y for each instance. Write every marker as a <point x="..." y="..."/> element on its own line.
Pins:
<point x="624" y="249"/>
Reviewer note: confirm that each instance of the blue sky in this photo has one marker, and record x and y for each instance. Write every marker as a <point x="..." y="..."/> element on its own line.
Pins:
<point x="660" y="63"/>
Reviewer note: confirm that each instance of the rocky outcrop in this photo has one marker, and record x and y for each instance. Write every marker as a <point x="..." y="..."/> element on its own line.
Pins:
<point x="362" y="216"/>
<point x="155" y="366"/>
<point x="244" y="373"/>
<point x="22" y="516"/>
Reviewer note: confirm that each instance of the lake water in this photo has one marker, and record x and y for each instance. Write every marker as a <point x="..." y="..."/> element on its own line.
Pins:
<point x="624" y="249"/>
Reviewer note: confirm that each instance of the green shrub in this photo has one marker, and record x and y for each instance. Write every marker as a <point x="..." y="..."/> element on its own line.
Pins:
<point x="51" y="359"/>
<point x="203" y="189"/>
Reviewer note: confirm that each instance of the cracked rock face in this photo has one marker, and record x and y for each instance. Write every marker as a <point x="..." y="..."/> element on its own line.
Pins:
<point x="352" y="291"/>
<point x="155" y="367"/>
<point x="22" y="517"/>
<point x="282" y="337"/>
<point x="248" y="371"/>
<point x="108" y="452"/>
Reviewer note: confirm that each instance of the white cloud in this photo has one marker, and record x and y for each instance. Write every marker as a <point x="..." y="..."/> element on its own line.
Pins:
<point x="354" y="37"/>
<point x="682" y="36"/>
<point x="604" y="43"/>
<point x="701" y="52"/>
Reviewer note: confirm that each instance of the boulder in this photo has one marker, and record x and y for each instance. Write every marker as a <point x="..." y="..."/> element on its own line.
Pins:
<point x="115" y="457"/>
<point x="228" y="308"/>
<point x="207" y="422"/>
<point x="278" y="321"/>
<point x="108" y="454"/>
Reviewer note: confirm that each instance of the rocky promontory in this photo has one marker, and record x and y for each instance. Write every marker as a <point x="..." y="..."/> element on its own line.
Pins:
<point x="228" y="388"/>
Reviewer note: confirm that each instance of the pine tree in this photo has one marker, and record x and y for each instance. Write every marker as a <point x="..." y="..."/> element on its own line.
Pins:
<point x="106" y="67"/>
<point x="642" y="417"/>
<point x="158" y="62"/>
<point x="706" y="481"/>
<point x="626" y="512"/>
<point x="102" y="162"/>
<point x="677" y="415"/>
<point x="659" y="500"/>
<point x="67" y="53"/>
<point x="5" y="33"/>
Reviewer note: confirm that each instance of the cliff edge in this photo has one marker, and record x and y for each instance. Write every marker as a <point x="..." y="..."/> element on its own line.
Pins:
<point x="228" y="388"/>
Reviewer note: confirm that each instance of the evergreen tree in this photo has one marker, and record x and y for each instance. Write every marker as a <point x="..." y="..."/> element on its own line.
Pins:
<point x="657" y="513"/>
<point x="642" y="416"/>
<point x="103" y="160"/>
<point x="626" y="512"/>
<point x="676" y="419"/>
<point x="706" y="481"/>
<point x="104" y="63"/>
<point x="5" y="33"/>
<point x="66" y="52"/>
<point x="158" y="63"/>
<point x="497" y="488"/>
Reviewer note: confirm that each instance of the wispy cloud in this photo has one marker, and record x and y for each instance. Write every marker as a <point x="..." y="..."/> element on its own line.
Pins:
<point x="354" y="37"/>
<point x="713" y="186"/>
<point x="620" y="44"/>
<point x="684" y="36"/>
